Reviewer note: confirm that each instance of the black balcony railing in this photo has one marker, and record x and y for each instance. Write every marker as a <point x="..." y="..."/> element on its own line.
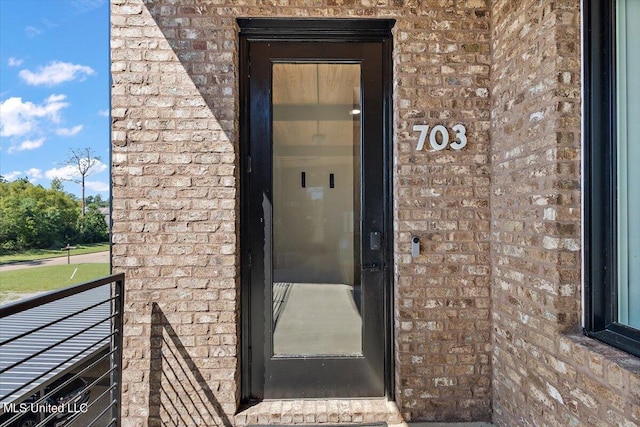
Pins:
<point x="61" y="356"/>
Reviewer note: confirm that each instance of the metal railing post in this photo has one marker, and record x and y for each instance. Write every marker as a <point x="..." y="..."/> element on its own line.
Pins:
<point x="117" y="342"/>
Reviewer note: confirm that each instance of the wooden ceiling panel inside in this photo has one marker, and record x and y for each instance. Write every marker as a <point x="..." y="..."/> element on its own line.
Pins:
<point x="325" y="84"/>
<point x="303" y="92"/>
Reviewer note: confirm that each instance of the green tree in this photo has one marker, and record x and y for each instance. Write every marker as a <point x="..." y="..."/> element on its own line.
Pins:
<point x="56" y="184"/>
<point x="97" y="200"/>
<point x="34" y="217"/>
<point x="93" y="226"/>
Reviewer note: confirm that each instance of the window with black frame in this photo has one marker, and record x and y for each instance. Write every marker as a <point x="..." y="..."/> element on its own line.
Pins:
<point x="612" y="172"/>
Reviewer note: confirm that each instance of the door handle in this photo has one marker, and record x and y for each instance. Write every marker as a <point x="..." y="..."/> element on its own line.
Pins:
<point x="375" y="240"/>
<point x="374" y="266"/>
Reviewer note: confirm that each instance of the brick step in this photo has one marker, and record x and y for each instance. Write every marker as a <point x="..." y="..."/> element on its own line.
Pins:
<point x="319" y="411"/>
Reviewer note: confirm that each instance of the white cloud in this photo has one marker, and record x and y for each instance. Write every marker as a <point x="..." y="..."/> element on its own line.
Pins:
<point x="83" y="6"/>
<point x="55" y="73"/>
<point x="63" y="173"/>
<point x="27" y="145"/>
<point x="103" y="113"/>
<point x="69" y="131"/>
<point x="97" y="186"/>
<point x="56" y="98"/>
<point x="19" y="118"/>
<point x="69" y="172"/>
<point x="15" y="62"/>
<point x="32" y="175"/>
<point x="12" y="175"/>
<point x="32" y="31"/>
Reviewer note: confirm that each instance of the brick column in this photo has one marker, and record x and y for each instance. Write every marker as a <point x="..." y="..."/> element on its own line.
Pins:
<point x="175" y="212"/>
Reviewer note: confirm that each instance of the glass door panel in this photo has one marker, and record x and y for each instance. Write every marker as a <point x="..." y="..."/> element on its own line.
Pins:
<point x="316" y="209"/>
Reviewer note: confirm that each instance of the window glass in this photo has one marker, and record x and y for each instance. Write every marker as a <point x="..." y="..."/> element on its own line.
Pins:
<point x="316" y="209"/>
<point x="628" y="159"/>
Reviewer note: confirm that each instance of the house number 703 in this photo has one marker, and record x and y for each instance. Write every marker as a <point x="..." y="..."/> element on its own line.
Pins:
<point x="440" y="143"/>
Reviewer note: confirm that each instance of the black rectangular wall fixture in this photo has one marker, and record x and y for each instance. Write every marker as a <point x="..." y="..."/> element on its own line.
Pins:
<point x="331" y="181"/>
<point x="303" y="179"/>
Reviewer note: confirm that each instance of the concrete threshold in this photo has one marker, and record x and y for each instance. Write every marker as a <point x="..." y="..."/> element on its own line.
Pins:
<point x="442" y="424"/>
<point x="333" y="412"/>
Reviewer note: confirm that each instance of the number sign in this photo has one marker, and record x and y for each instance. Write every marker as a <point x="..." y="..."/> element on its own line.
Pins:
<point x="439" y="137"/>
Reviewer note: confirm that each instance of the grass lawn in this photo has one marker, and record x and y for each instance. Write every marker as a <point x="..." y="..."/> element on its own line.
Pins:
<point x="52" y="253"/>
<point x="48" y="278"/>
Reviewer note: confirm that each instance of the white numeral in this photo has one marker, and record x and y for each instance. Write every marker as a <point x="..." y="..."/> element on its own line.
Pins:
<point x="424" y="130"/>
<point x="461" y="135"/>
<point x="444" y="137"/>
<point x="458" y="143"/>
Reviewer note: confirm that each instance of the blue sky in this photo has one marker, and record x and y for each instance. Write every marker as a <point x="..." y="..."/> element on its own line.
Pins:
<point x="54" y="90"/>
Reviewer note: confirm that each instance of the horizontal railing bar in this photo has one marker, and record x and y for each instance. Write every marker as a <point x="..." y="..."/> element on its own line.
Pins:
<point x="22" y="305"/>
<point x="49" y="418"/>
<point x="104" y="411"/>
<point x="53" y="415"/>
<point x="104" y="393"/>
<point x="58" y="365"/>
<point x="11" y="420"/>
<point x="95" y="362"/>
<point x="100" y="378"/>
<point x="76" y="375"/>
<point x="107" y="406"/>
<point x="53" y="322"/>
<point x="80" y="332"/>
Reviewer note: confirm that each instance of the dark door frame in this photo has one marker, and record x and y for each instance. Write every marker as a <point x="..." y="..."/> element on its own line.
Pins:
<point x="313" y="30"/>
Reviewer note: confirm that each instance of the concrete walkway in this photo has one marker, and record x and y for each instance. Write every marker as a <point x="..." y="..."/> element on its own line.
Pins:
<point x="425" y="424"/>
<point x="98" y="257"/>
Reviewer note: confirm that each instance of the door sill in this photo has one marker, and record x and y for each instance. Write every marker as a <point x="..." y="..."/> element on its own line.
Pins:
<point x="319" y="411"/>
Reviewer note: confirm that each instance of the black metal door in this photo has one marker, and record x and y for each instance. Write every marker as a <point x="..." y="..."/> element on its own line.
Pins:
<point x="316" y="231"/>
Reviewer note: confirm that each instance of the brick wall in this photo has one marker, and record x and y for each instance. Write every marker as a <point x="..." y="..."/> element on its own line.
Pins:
<point x="544" y="372"/>
<point x="175" y="203"/>
<point x="442" y="344"/>
<point x="175" y="210"/>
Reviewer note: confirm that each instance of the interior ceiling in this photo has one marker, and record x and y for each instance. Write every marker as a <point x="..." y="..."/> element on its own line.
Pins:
<point x="295" y="83"/>
<point x="326" y="92"/>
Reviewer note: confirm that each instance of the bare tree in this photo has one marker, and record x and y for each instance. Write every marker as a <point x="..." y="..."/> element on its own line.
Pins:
<point x="83" y="160"/>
